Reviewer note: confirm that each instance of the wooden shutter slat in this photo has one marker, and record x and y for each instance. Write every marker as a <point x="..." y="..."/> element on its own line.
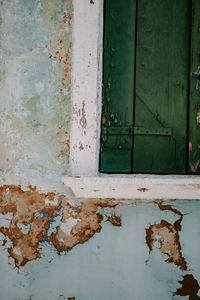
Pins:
<point x="119" y="59"/>
<point x="161" y="96"/>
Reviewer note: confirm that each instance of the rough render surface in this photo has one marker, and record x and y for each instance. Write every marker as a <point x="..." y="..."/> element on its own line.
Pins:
<point x="35" y="79"/>
<point x="39" y="211"/>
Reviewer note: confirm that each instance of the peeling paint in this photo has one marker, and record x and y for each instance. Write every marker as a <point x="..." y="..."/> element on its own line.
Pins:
<point x="115" y="220"/>
<point x="189" y="287"/>
<point x="33" y="212"/>
<point x="142" y="190"/>
<point x="83" y="121"/>
<point x="167" y="236"/>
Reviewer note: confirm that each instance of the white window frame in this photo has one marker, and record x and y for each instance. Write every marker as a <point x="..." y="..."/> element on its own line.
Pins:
<point x="84" y="177"/>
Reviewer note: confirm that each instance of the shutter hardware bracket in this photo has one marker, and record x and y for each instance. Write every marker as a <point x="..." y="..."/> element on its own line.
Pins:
<point x="123" y="130"/>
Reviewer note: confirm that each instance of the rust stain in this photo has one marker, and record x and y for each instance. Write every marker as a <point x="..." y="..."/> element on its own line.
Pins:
<point x="71" y="298"/>
<point x="91" y="1"/>
<point x="81" y="147"/>
<point x="166" y="236"/>
<point x="60" y="50"/>
<point x="115" y="220"/>
<point x="29" y="207"/>
<point x="63" y="153"/>
<point x="190" y="148"/>
<point x="189" y="287"/>
<point x="67" y="19"/>
<point x="66" y="142"/>
<point x="142" y="190"/>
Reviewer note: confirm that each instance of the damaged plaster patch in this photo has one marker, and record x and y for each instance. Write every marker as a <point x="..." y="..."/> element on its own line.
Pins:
<point x="49" y="217"/>
<point x="25" y="229"/>
<point x="115" y="220"/>
<point x="189" y="287"/>
<point x="5" y="219"/>
<point x="68" y="225"/>
<point x="87" y="223"/>
<point x="165" y="237"/>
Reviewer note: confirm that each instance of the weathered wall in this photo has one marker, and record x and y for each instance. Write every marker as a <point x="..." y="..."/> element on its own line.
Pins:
<point x="143" y="251"/>
<point x="35" y="90"/>
<point x="54" y="246"/>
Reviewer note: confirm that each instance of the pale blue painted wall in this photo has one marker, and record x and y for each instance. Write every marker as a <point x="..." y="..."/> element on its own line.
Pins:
<point x="114" y="264"/>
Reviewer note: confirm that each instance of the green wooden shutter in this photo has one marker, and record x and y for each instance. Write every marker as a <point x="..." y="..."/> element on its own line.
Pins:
<point x="145" y="104"/>
<point x="119" y="58"/>
<point x="194" y="119"/>
<point x="161" y="94"/>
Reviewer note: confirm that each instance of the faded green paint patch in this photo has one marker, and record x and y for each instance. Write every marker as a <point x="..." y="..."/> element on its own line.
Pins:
<point x="32" y="104"/>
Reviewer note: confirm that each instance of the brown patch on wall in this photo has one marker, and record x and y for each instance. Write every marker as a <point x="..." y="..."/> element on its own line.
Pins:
<point x="166" y="236"/>
<point x="143" y="190"/>
<point x="37" y="210"/>
<point x="167" y="207"/>
<point x="189" y="287"/>
<point x="88" y="223"/>
<point x="71" y="298"/>
<point x="115" y="220"/>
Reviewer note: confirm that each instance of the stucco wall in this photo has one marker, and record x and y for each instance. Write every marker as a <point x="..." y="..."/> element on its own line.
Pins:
<point x="53" y="245"/>
<point x="35" y="90"/>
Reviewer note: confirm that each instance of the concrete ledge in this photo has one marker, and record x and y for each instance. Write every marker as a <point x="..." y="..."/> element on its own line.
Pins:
<point x="135" y="186"/>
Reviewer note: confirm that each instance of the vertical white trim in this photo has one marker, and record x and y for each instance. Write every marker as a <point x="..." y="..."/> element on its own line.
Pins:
<point x="86" y="86"/>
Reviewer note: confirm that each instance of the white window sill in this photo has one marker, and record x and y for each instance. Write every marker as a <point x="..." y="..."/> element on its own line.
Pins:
<point x="135" y="186"/>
